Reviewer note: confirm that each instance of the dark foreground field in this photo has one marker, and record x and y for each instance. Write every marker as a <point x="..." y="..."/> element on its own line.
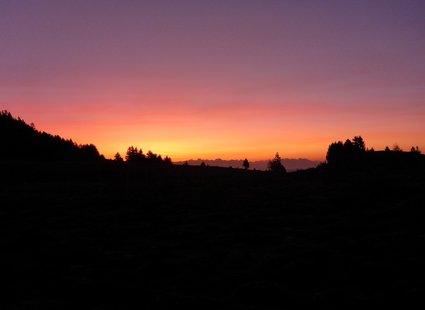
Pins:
<point x="104" y="236"/>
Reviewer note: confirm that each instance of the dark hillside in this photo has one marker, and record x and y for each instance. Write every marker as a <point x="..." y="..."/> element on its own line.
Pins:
<point x="117" y="237"/>
<point x="20" y="141"/>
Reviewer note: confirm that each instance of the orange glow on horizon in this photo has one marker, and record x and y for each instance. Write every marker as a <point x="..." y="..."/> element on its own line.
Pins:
<point x="237" y="131"/>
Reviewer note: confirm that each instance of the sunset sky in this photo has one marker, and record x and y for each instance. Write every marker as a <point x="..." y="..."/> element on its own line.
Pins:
<point x="217" y="79"/>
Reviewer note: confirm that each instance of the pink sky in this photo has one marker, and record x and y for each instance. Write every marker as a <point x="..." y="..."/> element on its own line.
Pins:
<point x="202" y="79"/>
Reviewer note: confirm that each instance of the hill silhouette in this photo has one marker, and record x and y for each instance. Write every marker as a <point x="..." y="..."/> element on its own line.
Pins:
<point x="105" y="234"/>
<point x="20" y="141"/>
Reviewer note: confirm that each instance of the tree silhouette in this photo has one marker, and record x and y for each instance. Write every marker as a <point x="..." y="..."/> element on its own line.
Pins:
<point x="245" y="164"/>
<point x="167" y="160"/>
<point x="348" y="154"/>
<point x="151" y="156"/>
<point x="89" y="151"/>
<point x="275" y="165"/>
<point x="335" y="153"/>
<point x="348" y="146"/>
<point x="134" y="155"/>
<point x="397" y="148"/>
<point x="118" y="158"/>
<point x="415" y="150"/>
<point x="359" y="143"/>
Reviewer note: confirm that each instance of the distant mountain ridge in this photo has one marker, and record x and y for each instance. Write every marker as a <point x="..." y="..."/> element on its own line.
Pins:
<point x="289" y="163"/>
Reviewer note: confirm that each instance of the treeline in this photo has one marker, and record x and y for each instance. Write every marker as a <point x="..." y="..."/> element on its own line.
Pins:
<point x="350" y="153"/>
<point x="353" y="154"/>
<point x="20" y="141"/>
<point x="135" y="155"/>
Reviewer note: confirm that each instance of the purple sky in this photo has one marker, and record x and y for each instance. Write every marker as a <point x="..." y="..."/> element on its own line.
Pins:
<point x="213" y="78"/>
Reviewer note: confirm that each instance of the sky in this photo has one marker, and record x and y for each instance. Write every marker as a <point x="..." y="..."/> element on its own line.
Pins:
<point x="217" y="79"/>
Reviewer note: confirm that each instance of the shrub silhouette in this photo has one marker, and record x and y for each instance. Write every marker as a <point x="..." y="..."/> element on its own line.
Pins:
<point x="245" y="164"/>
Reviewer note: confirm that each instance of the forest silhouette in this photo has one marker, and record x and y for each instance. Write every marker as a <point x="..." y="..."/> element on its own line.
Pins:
<point x="20" y="141"/>
<point x="83" y="232"/>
